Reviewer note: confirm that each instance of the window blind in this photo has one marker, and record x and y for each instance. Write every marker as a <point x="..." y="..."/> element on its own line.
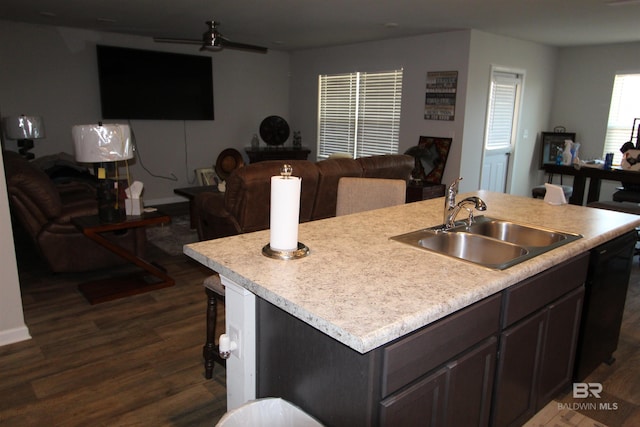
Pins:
<point x="623" y="109"/>
<point x="502" y="107"/>
<point x="359" y="113"/>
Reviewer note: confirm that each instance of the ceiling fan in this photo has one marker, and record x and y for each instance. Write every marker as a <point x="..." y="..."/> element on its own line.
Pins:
<point x="212" y="40"/>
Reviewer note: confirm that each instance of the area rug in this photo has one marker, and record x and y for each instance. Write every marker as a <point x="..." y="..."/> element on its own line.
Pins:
<point x="170" y="238"/>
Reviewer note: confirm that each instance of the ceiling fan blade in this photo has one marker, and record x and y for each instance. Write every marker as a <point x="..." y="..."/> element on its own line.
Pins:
<point x="213" y="41"/>
<point x="178" y="41"/>
<point x="235" y="45"/>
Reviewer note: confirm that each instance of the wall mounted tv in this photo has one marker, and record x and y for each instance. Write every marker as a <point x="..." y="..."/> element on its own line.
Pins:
<point x="151" y="85"/>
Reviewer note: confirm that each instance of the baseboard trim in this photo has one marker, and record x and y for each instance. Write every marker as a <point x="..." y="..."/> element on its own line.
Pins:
<point x="14" y="335"/>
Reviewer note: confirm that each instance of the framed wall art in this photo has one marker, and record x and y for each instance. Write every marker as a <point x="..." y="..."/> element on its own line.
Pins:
<point x="440" y="98"/>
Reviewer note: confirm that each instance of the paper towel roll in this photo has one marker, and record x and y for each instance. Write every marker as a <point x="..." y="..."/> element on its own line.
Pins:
<point x="285" y="212"/>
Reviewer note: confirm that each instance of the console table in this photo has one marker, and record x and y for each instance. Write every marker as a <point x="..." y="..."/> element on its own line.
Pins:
<point x="98" y="291"/>
<point x="276" y="153"/>
<point x="595" y="175"/>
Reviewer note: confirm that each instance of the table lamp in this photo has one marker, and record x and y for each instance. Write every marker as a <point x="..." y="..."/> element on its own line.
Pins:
<point x="24" y="129"/>
<point x="104" y="146"/>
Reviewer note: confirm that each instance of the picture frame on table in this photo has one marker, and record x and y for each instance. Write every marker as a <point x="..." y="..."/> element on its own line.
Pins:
<point x="206" y="176"/>
<point x="552" y="144"/>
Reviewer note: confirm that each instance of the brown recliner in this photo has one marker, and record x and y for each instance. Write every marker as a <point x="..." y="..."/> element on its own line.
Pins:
<point x="44" y="210"/>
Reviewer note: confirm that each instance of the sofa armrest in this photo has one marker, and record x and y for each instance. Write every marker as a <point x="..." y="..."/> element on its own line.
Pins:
<point x="212" y="218"/>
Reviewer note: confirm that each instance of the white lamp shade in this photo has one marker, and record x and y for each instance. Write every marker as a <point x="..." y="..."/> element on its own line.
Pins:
<point x="24" y="127"/>
<point x="102" y="143"/>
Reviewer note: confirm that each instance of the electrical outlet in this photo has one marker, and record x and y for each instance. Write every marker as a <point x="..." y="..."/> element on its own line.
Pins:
<point x="235" y="336"/>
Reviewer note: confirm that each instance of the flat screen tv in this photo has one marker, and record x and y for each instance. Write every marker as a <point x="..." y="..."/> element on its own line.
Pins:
<point x="151" y="85"/>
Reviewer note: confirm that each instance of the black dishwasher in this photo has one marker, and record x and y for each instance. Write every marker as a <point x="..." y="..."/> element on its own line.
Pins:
<point x="605" y="296"/>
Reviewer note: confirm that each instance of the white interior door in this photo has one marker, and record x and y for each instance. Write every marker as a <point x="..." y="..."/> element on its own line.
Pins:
<point x="495" y="168"/>
<point x="501" y="125"/>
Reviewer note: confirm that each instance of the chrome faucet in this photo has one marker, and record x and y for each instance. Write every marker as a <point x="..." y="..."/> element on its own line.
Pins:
<point x="450" y="200"/>
<point x="474" y="201"/>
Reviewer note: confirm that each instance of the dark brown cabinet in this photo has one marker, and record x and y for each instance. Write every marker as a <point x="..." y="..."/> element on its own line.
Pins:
<point x="458" y="394"/>
<point x="538" y="344"/>
<point x="495" y="362"/>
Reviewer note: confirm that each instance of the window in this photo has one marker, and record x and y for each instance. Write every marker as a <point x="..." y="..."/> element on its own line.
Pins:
<point x="503" y="102"/>
<point x="624" y="108"/>
<point x="359" y="113"/>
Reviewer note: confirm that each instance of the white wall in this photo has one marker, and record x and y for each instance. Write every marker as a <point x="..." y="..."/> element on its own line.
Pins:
<point x="416" y="55"/>
<point x="583" y="93"/>
<point x="12" y="326"/>
<point x="539" y="64"/>
<point x="52" y="72"/>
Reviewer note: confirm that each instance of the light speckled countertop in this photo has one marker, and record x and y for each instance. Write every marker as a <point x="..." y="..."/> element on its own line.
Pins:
<point x="365" y="290"/>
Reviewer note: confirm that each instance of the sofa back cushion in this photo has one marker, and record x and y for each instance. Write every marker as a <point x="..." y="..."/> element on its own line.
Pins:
<point x="390" y="166"/>
<point x="248" y="192"/>
<point x="329" y="173"/>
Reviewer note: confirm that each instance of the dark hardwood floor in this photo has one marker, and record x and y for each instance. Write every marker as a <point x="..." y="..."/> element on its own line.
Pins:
<point x="130" y="362"/>
<point x="137" y="361"/>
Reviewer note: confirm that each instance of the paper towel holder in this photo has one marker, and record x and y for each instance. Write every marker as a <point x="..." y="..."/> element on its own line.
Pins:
<point x="300" y="252"/>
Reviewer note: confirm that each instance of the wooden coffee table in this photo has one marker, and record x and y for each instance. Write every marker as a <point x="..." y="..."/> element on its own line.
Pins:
<point x="152" y="277"/>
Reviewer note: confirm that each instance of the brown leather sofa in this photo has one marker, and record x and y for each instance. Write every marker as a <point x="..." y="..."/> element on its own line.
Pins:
<point x="244" y="206"/>
<point x="44" y="210"/>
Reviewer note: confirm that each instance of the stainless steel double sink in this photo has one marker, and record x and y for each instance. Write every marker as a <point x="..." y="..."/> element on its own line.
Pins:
<point x="490" y="242"/>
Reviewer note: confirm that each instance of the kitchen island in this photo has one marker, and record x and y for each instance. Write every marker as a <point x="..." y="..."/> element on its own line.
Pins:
<point x="362" y="291"/>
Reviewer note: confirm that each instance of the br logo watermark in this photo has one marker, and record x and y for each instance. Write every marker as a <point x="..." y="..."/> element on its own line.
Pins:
<point x="585" y="391"/>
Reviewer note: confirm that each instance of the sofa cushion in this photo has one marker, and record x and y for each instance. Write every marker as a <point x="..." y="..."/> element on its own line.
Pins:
<point x="394" y="166"/>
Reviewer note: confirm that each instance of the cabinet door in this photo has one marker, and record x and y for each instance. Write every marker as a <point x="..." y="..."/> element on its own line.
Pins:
<point x="518" y="366"/>
<point x="470" y="386"/>
<point x="421" y="404"/>
<point x="561" y="336"/>
<point x="459" y="394"/>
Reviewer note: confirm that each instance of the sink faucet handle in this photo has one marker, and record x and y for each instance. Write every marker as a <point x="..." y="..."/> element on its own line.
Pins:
<point x="453" y="187"/>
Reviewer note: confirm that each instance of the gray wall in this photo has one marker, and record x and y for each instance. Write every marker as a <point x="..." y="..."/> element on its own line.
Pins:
<point x="12" y="326"/>
<point x="416" y="55"/>
<point x="583" y="93"/>
<point x="52" y="72"/>
<point x="538" y="63"/>
<point x="472" y="54"/>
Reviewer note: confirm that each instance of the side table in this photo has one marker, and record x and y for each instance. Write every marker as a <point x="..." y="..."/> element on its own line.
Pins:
<point x="151" y="278"/>
<point x="424" y="191"/>
<point x="191" y="193"/>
